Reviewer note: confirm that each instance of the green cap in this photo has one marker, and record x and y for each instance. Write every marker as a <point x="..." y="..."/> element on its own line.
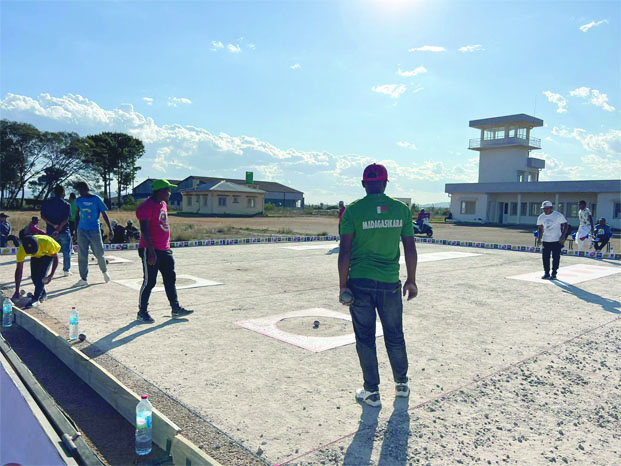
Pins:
<point x="162" y="184"/>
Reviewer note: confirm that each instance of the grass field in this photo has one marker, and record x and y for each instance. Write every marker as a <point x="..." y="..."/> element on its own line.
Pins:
<point x="185" y="228"/>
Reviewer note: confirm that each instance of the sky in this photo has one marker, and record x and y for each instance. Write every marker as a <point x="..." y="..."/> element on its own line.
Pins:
<point x="308" y="93"/>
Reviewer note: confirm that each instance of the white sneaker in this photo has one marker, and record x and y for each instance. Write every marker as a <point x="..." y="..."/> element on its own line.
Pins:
<point x="370" y="398"/>
<point x="106" y="277"/>
<point x="80" y="283"/>
<point x="403" y="389"/>
<point x="67" y="273"/>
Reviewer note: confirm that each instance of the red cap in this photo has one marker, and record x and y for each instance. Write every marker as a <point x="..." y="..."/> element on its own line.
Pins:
<point x="375" y="172"/>
<point x="144" y="397"/>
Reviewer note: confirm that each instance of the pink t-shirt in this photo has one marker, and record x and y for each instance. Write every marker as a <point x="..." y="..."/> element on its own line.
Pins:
<point x="157" y="214"/>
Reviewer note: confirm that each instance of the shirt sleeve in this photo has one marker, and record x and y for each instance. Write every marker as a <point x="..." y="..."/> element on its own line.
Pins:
<point x="347" y="223"/>
<point x="143" y="212"/>
<point x="539" y="220"/>
<point x="407" y="229"/>
<point x="562" y="218"/>
<point x="21" y="255"/>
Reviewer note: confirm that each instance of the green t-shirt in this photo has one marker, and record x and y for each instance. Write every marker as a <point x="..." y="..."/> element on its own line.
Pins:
<point x="74" y="211"/>
<point x="377" y="222"/>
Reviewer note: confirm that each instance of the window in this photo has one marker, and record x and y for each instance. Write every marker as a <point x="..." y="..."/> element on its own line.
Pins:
<point x="205" y="200"/>
<point x="594" y="212"/>
<point x="506" y="208"/>
<point x="494" y="133"/>
<point x="468" y="207"/>
<point x="535" y="209"/>
<point x="514" y="208"/>
<point x="524" y="209"/>
<point x="521" y="133"/>
<point x="235" y="199"/>
<point x="532" y="176"/>
<point x="222" y="202"/>
<point x="617" y="210"/>
<point x="251" y="202"/>
<point x="521" y="176"/>
<point x="572" y="209"/>
<point x="512" y="131"/>
<point x="188" y="201"/>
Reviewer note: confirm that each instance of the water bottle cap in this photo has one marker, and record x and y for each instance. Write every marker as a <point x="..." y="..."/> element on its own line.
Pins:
<point x="144" y="397"/>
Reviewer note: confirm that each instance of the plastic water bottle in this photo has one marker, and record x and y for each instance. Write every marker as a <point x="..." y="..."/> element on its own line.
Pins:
<point x="144" y="414"/>
<point x="7" y="312"/>
<point x="73" y="324"/>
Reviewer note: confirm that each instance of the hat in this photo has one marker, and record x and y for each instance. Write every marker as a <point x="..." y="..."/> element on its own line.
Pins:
<point x="35" y="219"/>
<point x="3" y="215"/>
<point x="30" y="244"/>
<point x="375" y="172"/>
<point x="162" y="184"/>
<point x="600" y="220"/>
<point x="546" y="204"/>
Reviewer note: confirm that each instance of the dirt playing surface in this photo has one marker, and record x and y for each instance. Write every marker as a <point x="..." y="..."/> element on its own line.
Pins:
<point x="469" y="326"/>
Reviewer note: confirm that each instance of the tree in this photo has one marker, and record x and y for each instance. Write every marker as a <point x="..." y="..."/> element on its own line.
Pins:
<point x="22" y="148"/>
<point x="66" y="154"/>
<point x="114" y="155"/>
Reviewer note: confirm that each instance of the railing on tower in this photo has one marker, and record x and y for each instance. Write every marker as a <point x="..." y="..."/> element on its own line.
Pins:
<point x="513" y="141"/>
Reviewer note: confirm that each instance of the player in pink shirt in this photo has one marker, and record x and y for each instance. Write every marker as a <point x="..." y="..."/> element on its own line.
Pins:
<point x="154" y="250"/>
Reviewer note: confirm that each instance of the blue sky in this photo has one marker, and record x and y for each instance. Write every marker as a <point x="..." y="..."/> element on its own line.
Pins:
<point x="307" y="93"/>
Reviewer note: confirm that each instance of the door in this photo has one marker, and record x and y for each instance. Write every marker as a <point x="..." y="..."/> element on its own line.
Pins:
<point x="501" y="210"/>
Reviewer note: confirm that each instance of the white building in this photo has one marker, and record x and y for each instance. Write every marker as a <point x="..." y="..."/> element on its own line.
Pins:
<point x="509" y="190"/>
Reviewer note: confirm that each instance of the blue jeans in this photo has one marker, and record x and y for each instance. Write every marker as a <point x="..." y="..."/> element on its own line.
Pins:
<point x="90" y="238"/>
<point x="64" y="239"/>
<point x="370" y="295"/>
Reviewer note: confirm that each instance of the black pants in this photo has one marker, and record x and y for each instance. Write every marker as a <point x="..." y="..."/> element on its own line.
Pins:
<point x="553" y="248"/>
<point x="599" y="244"/>
<point x="165" y="264"/>
<point x="38" y="272"/>
<point x="4" y="240"/>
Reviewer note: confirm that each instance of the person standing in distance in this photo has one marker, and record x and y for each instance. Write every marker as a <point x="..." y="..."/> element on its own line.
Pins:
<point x="154" y="250"/>
<point x="56" y="212"/>
<point x="89" y="208"/>
<point x="368" y="267"/>
<point x="552" y="227"/>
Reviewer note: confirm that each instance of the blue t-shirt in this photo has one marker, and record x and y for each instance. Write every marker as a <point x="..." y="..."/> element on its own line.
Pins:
<point x="603" y="231"/>
<point x="56" y="210"/>
<point x="90" y="209"/>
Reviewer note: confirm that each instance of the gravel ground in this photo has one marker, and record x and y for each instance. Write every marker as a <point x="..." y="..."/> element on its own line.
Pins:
<point x="559" y="407"/>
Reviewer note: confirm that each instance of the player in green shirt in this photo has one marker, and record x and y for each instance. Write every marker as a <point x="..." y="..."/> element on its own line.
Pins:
<point x="368" y="264"/>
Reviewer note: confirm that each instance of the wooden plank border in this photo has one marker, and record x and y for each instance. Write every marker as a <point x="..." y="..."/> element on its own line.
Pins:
<point x="120" y="397"/>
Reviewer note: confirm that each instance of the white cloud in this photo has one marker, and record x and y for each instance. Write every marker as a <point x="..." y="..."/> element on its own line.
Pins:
<point x="471" y="48"/>
<point x="407" y="145"/>
<point x="393" y="90"/>
<point x="603" y="166"/>
<point x="558" y="99"/>
<point x="580" y="92"/>
<point x="252" y="46"/>
<point x="556" y="170"/>
<point x="233" y="48"/>
<point x="586" y="27"/>
<point x="416" y="71"/>
<point x="215" y="45"/>
<point x="296" y="66"/>
<point x="608" y="143"/>
<point x="599" y="99"/>
<point x="148" y="100"/>
<point x="417" y="90"/>
<point x="176" y="101"/>
<point x="428" y="48"/>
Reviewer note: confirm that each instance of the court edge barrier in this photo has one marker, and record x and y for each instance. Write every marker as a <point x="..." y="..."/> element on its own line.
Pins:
<point x="306" y="239"/>
<point x="166" y="434"/>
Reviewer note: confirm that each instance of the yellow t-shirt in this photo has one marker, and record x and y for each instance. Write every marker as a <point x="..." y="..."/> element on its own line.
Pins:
<point x="47" y="247"/>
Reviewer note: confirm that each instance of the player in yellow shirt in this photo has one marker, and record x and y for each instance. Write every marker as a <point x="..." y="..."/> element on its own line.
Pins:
<point x="43" y="251"/>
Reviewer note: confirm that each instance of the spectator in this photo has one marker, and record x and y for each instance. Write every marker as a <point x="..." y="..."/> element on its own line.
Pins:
<point x="74" y="211"/>
<point x="341" y="211"/>
<point x="118" y="233"/>
<point x="5" y="232"/>
<point x="33" y="228"/>
<point x="603" y="233"/>
<point x="55" y="211"/>
<point x="131" y="231"/>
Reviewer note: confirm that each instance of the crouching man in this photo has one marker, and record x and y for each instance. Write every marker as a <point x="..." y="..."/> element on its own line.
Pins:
<point x="43" y="251"/>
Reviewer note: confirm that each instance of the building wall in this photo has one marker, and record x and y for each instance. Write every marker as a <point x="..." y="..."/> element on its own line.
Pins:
<point x="281" y="199"/>
<point x="502" y="164"/>
<point x="208" y="204"/>
<point x="480" y="207"/>
<point x="606" y="208"/>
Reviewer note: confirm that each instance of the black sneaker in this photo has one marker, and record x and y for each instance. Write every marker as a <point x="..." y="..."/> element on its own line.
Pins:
<point x="145" y="317"/>
<point x="546" y="276"/>
<point x="43" y="296"/>
<point x="180" y="312"/>
<point x="553" y="277"/>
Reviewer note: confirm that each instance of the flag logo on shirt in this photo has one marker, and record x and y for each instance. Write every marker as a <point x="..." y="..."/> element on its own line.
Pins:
<point x="381" y="209"/>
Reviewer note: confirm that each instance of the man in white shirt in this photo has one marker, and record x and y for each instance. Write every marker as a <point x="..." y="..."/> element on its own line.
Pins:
<point x="585" y="229"/>
<point x="552" y="229"/>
